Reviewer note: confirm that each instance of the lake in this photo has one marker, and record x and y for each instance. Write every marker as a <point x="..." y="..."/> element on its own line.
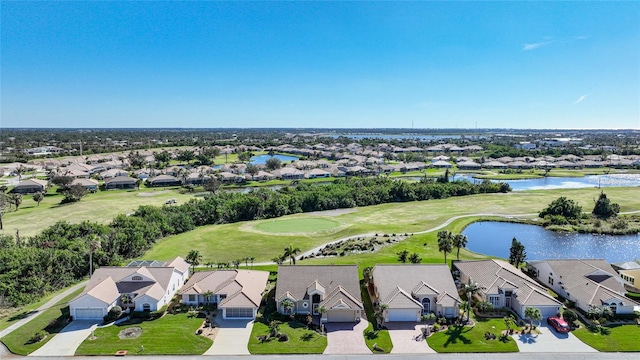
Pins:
<point x="262" y="159"/>
<point x="494" y="238"/>
<point x="566" y="182"/>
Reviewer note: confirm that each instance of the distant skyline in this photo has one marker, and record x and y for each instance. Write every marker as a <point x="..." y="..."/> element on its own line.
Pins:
<point x="555" y="65"/>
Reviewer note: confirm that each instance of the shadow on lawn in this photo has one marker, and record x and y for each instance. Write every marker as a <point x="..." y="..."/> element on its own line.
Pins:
<point x="23" y="315"/>
<point x="455" y="334"/>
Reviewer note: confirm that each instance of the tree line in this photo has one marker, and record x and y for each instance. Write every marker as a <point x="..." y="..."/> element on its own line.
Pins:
<point x="60" y="254"/>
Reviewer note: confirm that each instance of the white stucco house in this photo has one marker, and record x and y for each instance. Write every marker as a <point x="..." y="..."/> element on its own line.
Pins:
<point x="504" y="286"/>
<point x="237" y="293"/>
<point x="411" y="291"/>
<point x="140" y="286"/>
<point x="591" y="282"/>
<point x="310" y="288"/>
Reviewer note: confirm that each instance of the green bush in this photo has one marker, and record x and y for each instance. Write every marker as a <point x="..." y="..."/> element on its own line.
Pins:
<point x="37" y="337"/>
<point x="569" y="316"/>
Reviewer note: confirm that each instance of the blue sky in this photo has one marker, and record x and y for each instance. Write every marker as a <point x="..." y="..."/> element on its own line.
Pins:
<point x="320" y="64"/>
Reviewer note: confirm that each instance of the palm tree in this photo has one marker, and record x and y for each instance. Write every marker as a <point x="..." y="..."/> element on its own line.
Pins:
<point x="274" y="327"/>
<point x="286" y="305"/>
<point x="532" y="314"/>
<point x="279" y="259"/>
<point x="291" y="252"/>
<point x="94" y="244"/>
<point x="459" y="241"/>
<point x="207" y="296"/>
<point x="445" y="243"/>
<point x="471" y="288"/>
<point x="193" y="258"/>
<point x="379" y="314"/>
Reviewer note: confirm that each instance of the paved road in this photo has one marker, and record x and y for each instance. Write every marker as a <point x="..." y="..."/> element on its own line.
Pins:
<point x="46" y="306"/>
<point x="67" y="341"/>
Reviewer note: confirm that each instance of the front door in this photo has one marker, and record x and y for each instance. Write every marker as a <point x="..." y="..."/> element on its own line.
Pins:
<point x="315" y="309"/>
<point x="507" y="302"/>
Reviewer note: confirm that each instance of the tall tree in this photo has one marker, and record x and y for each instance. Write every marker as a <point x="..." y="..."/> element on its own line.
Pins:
<point x="193" y="258"/>
<point x="445" y="243"/>
<point x="459" y="241"/>
<point x="471" y="288"/>
<point x="604" y="208"/>
<point x="532" y="314"/>
<point x="273" y="164"/>
<point x="38" y="197"/>
<point x="252" y="170"/>
<point x="563" y="207"/>
<point x="94" y="244"/>
<point x="517" y="253"/>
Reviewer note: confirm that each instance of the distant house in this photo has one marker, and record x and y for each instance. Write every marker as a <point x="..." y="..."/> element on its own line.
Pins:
<point x="334" y="288"/>
<point x="145" y="286"/>
<point x="237" y="293"/>
<point x="111" y="173"/>
<point x="318" y="173"/>
<point x="30" y="186"/>
<point x="503" y="285"/>
<point x="591" y="282"/>
<point x="120" y="182"/>
<point x="411" y="291"/>
<point x="89" y="184"/>
<point x="469" y="165"/>
<point x="441" y="164"/>
<point x="289" y="173"/>
<point x="164" y="180"/>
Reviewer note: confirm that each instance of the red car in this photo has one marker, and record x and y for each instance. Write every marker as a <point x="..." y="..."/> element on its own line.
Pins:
<point x="558" y="324"/>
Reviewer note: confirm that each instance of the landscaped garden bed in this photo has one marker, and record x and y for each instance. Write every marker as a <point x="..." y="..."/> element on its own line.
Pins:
<point x="470" y="339"/>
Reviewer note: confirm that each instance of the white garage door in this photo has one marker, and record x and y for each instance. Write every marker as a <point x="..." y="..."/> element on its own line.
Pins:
<point x="89" y="313"/>
<point x="341" y="316"/>
<point x="402" y="314"/>
<point x="548" y="311"/>
<point x="239" y="313"/>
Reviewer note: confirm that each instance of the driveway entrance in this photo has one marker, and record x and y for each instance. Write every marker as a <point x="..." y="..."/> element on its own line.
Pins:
<point x="232" y="338"/>
<point x="346" y="338"/>
<point x="407" y="338"/>
<point x="550" y="341"/>
<point x="66" y="342"/>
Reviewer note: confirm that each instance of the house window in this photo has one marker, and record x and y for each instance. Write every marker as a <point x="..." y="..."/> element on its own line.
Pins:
<point x="136" y="278"/>
<point x="305" y="305"/>
<point x="613" y="307"/>
<point x="146" y="307"/>
<point x="550" y="280"/>
<point x="223" y="296"/>
<point x="495" y="301"/>
<point x="192" y="298"/>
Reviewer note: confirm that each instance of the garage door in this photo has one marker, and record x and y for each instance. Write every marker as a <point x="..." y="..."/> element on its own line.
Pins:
<point x="548" y="311"/>
<point x="239" y="313"/>
<point x="341" y="316"/>
<point x="402" y="315"/>
<point x="89" y="313"/>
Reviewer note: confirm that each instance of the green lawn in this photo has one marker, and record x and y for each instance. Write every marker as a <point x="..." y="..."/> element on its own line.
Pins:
<point x="371" y="335"/>
<point x="235" y="241"/>
<point x="471" y="339"/>
<point x="621" y="338"/>
<point x="301" y="340"/>
<point x="169" y="335"/>
<point x="297" y="225"/>
<point x="17" y="341"/>
<point x="100" y="207"/>
<point x="11" y="315"/>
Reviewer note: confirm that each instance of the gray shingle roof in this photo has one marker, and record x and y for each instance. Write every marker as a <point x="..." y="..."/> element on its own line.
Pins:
<point x="413" y="279"/>
<point x="340" y="282"/>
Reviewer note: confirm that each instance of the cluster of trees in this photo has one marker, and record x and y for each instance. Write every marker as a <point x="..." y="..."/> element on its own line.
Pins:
<point x="448" y="240"/>
<point x="60" y="254"/>
<point x="562" y="210"/>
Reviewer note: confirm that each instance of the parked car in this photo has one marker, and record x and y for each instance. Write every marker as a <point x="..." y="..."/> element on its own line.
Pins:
<point x="171" y="201"/>
<point x="558" y="324"/>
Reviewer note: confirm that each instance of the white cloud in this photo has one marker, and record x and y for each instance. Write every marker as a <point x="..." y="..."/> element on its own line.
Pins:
<point x="581" y="99"/>
<point x="528" y="47"/>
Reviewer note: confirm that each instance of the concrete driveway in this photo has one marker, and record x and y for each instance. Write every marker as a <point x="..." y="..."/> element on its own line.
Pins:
<point x="232" y="338"/>
<point x="550" y="341"/>
<point x="407" y="338"/>
<point x="346" y="338"/>
<point x="67" y="341"/>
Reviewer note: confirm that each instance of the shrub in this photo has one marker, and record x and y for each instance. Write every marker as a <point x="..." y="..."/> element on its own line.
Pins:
<point x="282" y="337"/>
<point x="569" y="316"/>
<point x="37" y="337"/>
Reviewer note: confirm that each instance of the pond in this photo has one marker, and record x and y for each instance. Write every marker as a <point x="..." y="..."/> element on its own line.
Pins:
<point x="494" y="238"/>
<point x="262" y="159"/>
<point x="566" y="182"/>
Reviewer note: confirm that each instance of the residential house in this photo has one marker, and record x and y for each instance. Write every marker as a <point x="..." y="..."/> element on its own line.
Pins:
<point x="289" y="173"/>
<point x="310" y="288"/>
<point x="30" y="186"/>
<point x="120" y="182"/>
<point x="141" y="286"/>
<point x="237" y="293"/>
<point x="318" y="173"/>
<point x="164" y="180"/>
<point x="591" y="282"/>
<point x="411" y="291"/>
<point x="504" y="286"/>
<point x="89" y="184"/>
